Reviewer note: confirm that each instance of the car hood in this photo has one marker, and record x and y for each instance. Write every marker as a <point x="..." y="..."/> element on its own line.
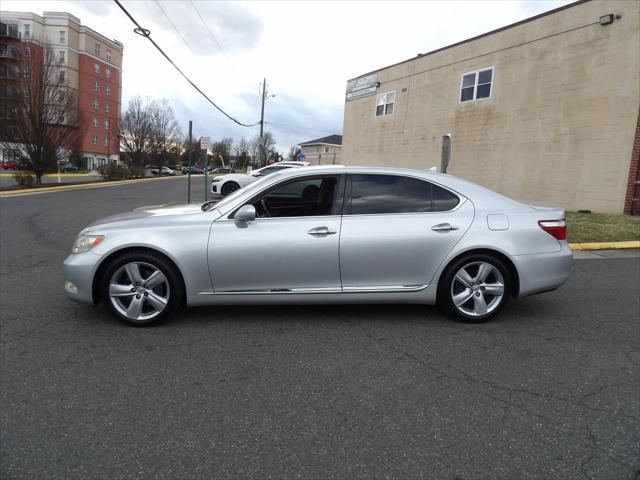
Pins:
<point x="146" y="212"/>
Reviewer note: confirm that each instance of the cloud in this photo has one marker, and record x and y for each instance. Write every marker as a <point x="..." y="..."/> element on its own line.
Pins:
<point x="231" y="27"/>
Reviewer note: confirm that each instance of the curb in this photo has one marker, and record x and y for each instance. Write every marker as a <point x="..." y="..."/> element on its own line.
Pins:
<point x="54" y="175"/>
<point x="83" y="186"/>
<point x="605" y="245"/>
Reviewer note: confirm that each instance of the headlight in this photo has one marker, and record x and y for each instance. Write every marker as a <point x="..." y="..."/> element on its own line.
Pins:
<point x="217" y="179"/>
<point x="84" y="243"/>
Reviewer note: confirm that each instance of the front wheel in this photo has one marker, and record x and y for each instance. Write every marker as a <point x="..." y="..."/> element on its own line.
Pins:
<point x="228" y="188"/>
<point x="475" y="288"/>
<point x="141" y="289"/>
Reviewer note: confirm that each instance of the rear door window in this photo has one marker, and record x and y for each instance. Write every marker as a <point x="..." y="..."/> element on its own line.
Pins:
<point x="380" y="194"/>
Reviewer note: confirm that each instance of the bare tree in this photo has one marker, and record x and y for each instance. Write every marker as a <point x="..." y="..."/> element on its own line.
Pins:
<point x="241" y="150"/>
<point x="165" y="131"/>
<point x="261" y="146"/>
<point x="46" y="118"/>
<point x="136" y="129"/>
<point x="222" y="149"/>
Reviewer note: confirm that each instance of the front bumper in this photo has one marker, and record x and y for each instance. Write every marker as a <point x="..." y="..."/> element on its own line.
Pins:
<point x="543" y="272"/>
<point x="78" y="271"/>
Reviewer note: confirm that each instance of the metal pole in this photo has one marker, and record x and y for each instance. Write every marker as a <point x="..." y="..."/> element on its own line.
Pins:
<point x="264" y="95"/>
<point x="189" y="170"/>
<point x="446" y="152"/>
<point x="206" y="173"/>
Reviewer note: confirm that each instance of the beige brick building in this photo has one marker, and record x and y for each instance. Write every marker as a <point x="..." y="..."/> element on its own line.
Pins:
<point x="544" y="109"/>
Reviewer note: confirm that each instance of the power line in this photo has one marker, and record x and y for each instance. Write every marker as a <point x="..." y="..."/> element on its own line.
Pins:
<point x="184" y="40"/>
<point x="213" y="37"/>
<point x="147" y="34"/>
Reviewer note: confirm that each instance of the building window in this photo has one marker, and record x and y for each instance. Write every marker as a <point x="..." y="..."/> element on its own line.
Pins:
<point x="27" y="30"/>
<point x="27" y="71"/>
<point x="94" y="139"/>
<point x="106" y="141"/>
<point x="96" y="86"/>
<point x="326" y="149"/>
<point x="61" y="55"/>
<point x="384" y="104"/>
<point x="95" y="104"/>
<point x="109" y="55"/>
<point x="106" y="124"/>
<point x="96" y="67"/>
<point x="27" y="51"/>
<point x="106" y="108"/>
<point x="63" y="36"/>
<point x="107" y="90"/>
<point x="27" y="91"/>
<point x="62" y="76"/>
<point x="95" y="122"/>
<point x="107" y="72"/>
<point x="476" y="85"/>
<point x="96" y="49"/>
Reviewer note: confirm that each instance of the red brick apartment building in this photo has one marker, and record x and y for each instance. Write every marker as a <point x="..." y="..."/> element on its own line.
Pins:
<point x="91" y="64"/>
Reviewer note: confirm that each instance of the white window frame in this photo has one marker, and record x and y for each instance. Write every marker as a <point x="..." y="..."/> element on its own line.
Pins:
<point x="95" y="122"/>
<point x="62" y="76"/>
<point x="63" y="36"/>
<point x="475" y="85"/>
<point x="109" y="55"/>
<point x="62" y="57"/>
<point x="384" y="109"/>
<point x="107" y="72"/>
<point x="27" y="30"/>
<point x="96" y="67"/>
<point x="106" y="141"/>
<point x="94" y="140"/>
<point x="326" y="149"/>
<point x="96" y="86"/>
<point x="95" y="104"/>
<point x="107" y="90"/>
<point x="106" y="124"/>
<point x="96" y="49"/>
<point x="107" y="109"/>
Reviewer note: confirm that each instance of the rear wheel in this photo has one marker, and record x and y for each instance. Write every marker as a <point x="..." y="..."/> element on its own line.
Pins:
<point x="141" y="288"/>
<point x="229" y="188"/>
<point x="475" y="288"/>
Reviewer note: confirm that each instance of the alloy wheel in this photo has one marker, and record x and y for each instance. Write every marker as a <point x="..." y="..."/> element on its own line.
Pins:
<point x="139" y="291"/>
<point x="477" y="289"/>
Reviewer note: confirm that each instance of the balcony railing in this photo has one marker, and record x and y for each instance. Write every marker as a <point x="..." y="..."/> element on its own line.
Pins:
<point x="9" y="53"/>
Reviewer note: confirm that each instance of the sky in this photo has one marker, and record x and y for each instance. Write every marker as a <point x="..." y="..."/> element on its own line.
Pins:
<point x="307" y="50"/>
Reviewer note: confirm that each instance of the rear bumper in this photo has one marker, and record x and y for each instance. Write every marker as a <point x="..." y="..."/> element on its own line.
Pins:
<point x="543" y="272"/>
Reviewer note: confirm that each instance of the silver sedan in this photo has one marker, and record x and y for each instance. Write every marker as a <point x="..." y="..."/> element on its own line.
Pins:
<point x="329" y="234"/>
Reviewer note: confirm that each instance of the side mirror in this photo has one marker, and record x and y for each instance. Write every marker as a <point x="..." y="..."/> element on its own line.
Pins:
<point x="246" y="214"/>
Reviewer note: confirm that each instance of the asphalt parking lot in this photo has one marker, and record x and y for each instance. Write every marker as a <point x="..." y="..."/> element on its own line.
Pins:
<point x="550" y="389"/>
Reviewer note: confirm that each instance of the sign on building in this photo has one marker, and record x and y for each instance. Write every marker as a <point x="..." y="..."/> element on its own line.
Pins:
<point x="362" y="87"/>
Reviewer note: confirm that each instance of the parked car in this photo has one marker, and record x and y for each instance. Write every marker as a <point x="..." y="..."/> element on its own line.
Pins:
<point x="227" y="184"/>
<point x="69" y="168"/>
<point x="330" y="234"/>
<point x="10" y="164"/>
<point x="162" y="171"/>
<point x="194" y="170"/>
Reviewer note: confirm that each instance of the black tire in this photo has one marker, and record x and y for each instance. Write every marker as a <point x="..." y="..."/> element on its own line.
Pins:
<point x="228" y="188"/>
<point x="173" y="279"/>
<point x="446" y="290"/>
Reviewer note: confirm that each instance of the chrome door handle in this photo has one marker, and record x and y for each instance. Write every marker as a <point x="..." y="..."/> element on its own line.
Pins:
<point x="321" y="231"/>
<point x="444" y="227"/>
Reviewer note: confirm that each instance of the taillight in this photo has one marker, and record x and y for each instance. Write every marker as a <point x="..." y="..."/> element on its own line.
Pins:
<point x="555" y="228"/>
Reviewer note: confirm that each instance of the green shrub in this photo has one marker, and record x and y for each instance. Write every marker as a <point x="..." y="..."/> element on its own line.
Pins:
<point x="24" y="179"/>
<point x="111" y="171"/>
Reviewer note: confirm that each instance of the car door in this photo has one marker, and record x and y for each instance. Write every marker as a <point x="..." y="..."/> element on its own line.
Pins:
<point x="397" y="230"/>
<point x="291" y="246"/>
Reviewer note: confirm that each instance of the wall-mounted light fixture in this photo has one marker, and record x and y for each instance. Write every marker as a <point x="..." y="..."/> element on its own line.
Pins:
<point x="607" y="19"/>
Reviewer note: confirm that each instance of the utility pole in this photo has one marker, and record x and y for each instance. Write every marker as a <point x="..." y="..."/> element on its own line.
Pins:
<point x="264" y="96"/>
<point x="189" y="171"/>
